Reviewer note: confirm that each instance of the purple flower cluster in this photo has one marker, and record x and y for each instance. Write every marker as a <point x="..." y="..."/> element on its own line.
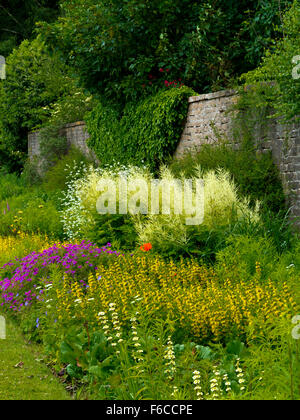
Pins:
<point x="7" y="208"/>
<point x="24" y="280"/>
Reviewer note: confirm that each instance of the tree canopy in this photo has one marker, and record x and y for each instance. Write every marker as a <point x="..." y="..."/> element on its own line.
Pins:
<point x="127" y="48"/>
<point x="18" y="18"/>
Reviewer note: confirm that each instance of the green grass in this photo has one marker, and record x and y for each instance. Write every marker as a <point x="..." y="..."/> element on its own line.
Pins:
<point x="32" y="381"/>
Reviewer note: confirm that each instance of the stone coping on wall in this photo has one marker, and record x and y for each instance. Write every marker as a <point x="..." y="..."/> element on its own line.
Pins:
<point x="74" y="124"/>
<point x="214" y="95"/>
<point x="69" y="125"/>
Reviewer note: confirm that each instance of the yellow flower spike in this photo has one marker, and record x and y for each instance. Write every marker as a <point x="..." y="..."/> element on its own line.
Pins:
<point x="203" y="303"/>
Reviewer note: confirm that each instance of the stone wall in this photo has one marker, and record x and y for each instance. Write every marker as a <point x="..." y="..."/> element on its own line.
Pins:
<point x="206" y="114"/>
<point x="210" y="113"/>
<point x="75" y="134"/>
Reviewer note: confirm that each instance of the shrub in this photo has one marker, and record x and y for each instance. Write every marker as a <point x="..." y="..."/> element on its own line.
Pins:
<point x="71" y="107"/>
<point x="119" y="51"/>
<point x="55" y="179"/>
<point x="31" y="173"/>
<point x="53" y="146"/>
<point x="169" y="234"/>
<point x="119" y="230"/>
<point x="254" y="173"/>
<point x="79" y="216"/>
<point x="247" y="255"/>
<point x="35" y="92"/>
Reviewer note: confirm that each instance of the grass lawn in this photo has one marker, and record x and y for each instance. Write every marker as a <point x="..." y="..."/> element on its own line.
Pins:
<point x="32" y="380"/>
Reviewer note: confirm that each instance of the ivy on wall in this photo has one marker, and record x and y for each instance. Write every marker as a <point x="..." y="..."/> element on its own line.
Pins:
<point x="146" y="133"/>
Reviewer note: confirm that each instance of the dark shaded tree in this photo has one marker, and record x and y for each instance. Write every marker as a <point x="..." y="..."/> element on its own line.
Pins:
<point x="18" y="18"/>
<point x="126" y="48"/>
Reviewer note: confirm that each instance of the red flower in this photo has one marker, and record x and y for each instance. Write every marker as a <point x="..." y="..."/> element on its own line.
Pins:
<point x="146" y="247"/>
<point x="167" y="83"/>
<point x="161" y="70"/>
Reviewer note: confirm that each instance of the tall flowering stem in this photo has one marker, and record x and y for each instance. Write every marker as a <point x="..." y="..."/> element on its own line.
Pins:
<point x="240" y="375"/>
<point x="197" y="384"/>
<point x="215" y="384"/>
<point x="171" y="360"/>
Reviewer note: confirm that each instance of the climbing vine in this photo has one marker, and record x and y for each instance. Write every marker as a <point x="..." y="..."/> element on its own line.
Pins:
<point x="147" y="133"/>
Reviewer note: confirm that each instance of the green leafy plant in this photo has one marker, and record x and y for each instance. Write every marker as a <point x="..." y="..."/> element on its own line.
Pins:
<point x="53" y="146"/>
<point x="119" y="230"/>
<point x="55" y="179"/>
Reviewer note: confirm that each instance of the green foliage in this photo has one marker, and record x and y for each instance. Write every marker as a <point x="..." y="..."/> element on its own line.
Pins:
<point x="71" y="107"/>
<point x="34" y="79"/>
<point x="55" y="179"/>
<point x="172" y="236"/>
<point x="30" y="213"/>
<point x="31" y="203"/>
<point x="116" y="229"/>
<point x="281" y="66"/>
<point x="147" y="133"/>
<point x="31" y="173"/>
<point x="39" y="91"/>
<point x="10" y="185"/>
<point x="257" y="178"/>
<point x="244" y="251"/>
<point x="119" y="51"/>
<point x="278" y="351"/>
<point x="53" y="146"/>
